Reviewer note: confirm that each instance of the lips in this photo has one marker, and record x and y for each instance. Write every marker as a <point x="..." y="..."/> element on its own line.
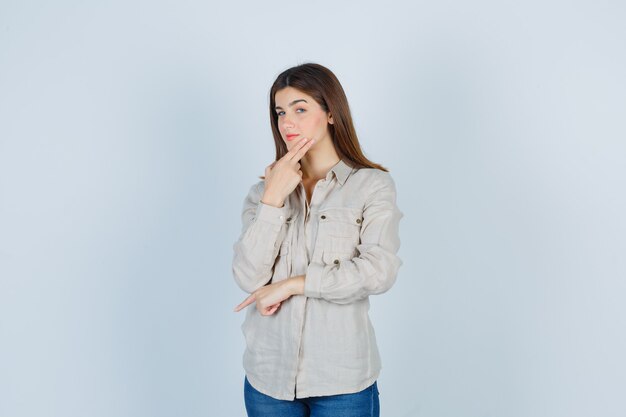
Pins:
<point x="291" y="136"/>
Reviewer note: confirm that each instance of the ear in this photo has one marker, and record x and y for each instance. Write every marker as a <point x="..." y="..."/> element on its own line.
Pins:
<point x="330" y="119"/>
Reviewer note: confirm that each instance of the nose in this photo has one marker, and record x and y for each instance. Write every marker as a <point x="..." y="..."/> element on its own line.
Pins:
<point x="287" y="123"/>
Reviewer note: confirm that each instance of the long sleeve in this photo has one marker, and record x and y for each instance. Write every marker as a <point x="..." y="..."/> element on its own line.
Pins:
<point x="263" y="229"/>
<point x="374" y="271"/>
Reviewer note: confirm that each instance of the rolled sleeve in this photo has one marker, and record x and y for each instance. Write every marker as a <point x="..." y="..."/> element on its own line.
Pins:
<point x="375" y="270"/>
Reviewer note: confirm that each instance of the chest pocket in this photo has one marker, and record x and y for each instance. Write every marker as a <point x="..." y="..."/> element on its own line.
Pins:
<point x="339" y="231"/>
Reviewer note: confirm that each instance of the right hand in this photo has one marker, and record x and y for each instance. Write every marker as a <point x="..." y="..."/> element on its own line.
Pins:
<point x="284" y="175"/>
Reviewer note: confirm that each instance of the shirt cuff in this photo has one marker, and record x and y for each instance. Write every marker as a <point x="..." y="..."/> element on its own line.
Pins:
<point x="271" y="214"/>
<point x="313" y="280"/>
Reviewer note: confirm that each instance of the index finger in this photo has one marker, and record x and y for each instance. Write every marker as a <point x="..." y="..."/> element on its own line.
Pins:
<point x="245" y="302"/>
<point x="300" y="152"/>
<point x="291" y="153"/>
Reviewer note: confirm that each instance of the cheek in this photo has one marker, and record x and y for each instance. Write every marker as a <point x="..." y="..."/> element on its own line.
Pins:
<point x="317" y="123"/>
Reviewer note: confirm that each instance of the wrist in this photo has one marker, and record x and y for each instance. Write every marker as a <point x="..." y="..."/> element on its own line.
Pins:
<point x="296" y="285"/>
<point x="272" y="201"/>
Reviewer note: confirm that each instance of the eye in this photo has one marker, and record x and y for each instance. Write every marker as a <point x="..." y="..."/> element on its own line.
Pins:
<point x="299" y="108"/>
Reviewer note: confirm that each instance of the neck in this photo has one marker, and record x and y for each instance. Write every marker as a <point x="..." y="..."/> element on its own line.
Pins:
<point x="316" y="163"/>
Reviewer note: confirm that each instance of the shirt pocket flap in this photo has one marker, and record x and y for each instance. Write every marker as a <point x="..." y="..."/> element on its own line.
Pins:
<point x="341" y="221"/>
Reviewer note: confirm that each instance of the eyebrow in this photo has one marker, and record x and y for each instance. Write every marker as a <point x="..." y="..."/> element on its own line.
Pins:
<point x="291" y="104"/>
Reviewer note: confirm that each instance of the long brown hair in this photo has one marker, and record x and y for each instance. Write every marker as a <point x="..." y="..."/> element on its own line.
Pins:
<point x="320" y="83"/>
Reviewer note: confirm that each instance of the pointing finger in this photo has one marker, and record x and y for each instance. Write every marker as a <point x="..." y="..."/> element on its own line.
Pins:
<point x="292" y="152"/>
<point x="300" y="152"/>
<point x="251" y="298"/>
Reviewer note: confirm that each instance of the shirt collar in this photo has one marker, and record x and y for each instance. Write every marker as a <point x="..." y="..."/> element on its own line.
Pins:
<point x="341" y="170"/>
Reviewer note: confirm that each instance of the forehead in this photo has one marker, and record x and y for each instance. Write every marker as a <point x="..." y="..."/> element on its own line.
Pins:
<point x="286" y="95"/>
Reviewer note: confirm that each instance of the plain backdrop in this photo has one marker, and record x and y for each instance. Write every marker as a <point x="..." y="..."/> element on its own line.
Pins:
<point x="131" y="131"/>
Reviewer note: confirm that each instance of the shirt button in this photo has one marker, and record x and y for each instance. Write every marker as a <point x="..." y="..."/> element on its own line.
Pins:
<point x="281" y="217"/>
<point x="323" y="216"/>
<point x="336" y="261"/>
<point x="358" y="220"/>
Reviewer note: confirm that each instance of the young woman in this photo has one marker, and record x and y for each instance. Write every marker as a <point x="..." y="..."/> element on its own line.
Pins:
<point x="319" y="236"/>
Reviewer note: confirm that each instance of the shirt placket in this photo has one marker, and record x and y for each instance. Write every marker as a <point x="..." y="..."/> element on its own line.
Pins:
<point x="309" y="239"/>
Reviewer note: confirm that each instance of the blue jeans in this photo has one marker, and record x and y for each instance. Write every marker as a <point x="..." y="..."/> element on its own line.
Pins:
<point x="359" y="404"/>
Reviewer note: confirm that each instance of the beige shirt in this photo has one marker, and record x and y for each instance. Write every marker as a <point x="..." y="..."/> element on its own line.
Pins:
<point x="346" y="243"/>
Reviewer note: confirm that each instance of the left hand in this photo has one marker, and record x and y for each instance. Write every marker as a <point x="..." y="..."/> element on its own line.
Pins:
<point x="269" y="297"/>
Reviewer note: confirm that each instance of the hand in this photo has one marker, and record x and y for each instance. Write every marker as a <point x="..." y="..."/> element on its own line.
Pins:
<point x="283" y="176"/>
<point x="269" y="297"/>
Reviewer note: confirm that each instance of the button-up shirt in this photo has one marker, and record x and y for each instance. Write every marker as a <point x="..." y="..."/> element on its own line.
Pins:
<point x="345" y="243"/>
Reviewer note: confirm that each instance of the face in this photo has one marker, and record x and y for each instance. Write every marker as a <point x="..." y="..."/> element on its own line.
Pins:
<point x="300" y="116"/>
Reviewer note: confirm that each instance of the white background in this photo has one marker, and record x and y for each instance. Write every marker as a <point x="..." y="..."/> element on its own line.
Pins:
<point x="130" y="132"/>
